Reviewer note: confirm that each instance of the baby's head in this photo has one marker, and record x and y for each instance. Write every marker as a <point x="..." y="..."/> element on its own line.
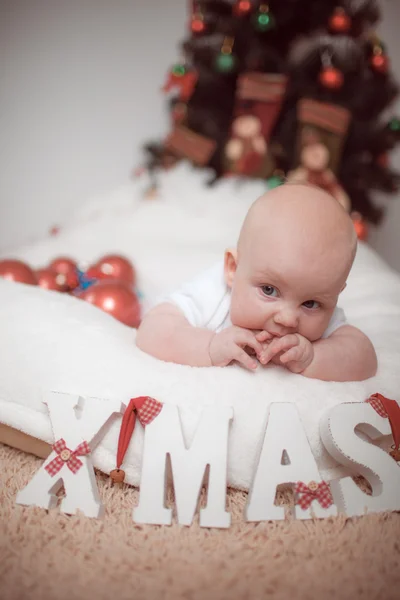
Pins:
<point x="295" y="251"/>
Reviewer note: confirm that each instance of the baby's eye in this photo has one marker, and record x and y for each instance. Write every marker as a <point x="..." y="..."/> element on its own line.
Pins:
<point x="269" y="290"/>
<point x="311" y="304"/>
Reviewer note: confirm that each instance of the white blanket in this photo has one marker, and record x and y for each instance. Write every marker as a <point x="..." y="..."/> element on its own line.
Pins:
<point x="51" y="341"/>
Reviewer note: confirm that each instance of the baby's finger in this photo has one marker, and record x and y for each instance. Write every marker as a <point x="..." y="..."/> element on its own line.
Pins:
<point x="244" y="359"/>
<point x="291" y="354"/>
<point x="268" y="353"/>
<point x="249" y="340"/>
<point x="263" y="336"/>
<point x="278" y="345"/>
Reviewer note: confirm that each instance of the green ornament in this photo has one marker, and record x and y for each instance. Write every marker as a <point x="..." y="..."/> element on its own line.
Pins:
<point x="394" y="124"/>
<point x="264" y="21"/>
<point x="179" y="70"/>
<point x="274" y="181"/>
<point x="225" y="62"/>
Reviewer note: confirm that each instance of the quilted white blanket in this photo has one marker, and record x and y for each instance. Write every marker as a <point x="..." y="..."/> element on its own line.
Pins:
<point x="50" y="341"/>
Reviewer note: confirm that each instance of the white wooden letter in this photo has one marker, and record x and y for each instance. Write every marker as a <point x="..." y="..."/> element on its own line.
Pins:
<point x="337" y="430"/>
<point x="163" y="437"/>
<point x="75" y="420"/>
<point x="285" y="458"/>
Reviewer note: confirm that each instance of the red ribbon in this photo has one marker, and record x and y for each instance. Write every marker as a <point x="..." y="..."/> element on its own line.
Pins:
<point x="389" y="409"/>
<point x="313" y="491"/>
<point x="146" y="409"/>
<point x="67" y="457"/>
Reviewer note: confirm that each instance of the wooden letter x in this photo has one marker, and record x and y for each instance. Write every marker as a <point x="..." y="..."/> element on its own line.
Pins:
<point x="76" y="424"/>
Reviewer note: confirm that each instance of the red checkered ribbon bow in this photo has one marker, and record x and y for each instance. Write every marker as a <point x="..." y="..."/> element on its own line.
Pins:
<point x="313" y="491"/>
<point x="67" y="457"/>
<point x="388" y="409"/>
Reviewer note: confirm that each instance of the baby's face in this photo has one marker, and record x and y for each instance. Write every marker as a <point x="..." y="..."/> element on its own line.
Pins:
<point x="287" y="278"/>
<point x="281" y="299"/>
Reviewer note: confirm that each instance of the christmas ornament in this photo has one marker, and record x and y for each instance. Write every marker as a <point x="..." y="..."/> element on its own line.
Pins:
<point x="327" y="122"/>
<point x="264" y="19"/>
<point x="113" y="266"/>
<point x="197" y="23"/>
<point x="64" y="265"/>
<point x="360" y="226"/>
<point x="182" y="78"/>
<point x="185" y="143"/>
<point x="16" y="270"/>
<point x="329" y="76"/>
<point x="50" y="280"/>
<point x="225" y="61"/>
<point x="258" y="101"/>
<point x="380" y="63"/>
<point x="322" y="128"/>
<point x="394" y="124"/>
<point x="379" y="60"/>
<point x="116" y="298"/>
<point x="242" y="8"/>
<point x="340" y="22"/>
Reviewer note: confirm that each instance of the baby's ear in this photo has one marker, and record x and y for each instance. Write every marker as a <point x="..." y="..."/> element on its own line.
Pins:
<point x="230" y="264"/>
<point x="343" y="287"/>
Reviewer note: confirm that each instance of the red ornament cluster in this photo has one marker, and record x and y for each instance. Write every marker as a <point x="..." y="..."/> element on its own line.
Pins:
<point x="112" y="290"/>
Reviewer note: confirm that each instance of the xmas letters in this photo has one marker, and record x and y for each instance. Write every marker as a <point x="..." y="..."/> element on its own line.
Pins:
<point x="285" y="459"/>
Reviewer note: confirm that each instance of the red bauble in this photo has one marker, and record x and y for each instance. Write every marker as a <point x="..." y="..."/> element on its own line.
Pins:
<point x="380" y="63"/>
<point x="113" y="266"/>
<point x="340" y="21"/>
<point x="197" y="25"/>
<point x="16" y="270"/>
<point x="360" y="225"/>
<point x="116" y="298"/>
<point x="331" y="78"/>
<point x="242" y="7"/>
<point x="64" y="265"/>
<point x="50" y="280"/>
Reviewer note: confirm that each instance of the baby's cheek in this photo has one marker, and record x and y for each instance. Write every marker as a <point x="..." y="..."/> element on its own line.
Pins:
<point x="313" y="328"/>
<point x="242" y="314"/>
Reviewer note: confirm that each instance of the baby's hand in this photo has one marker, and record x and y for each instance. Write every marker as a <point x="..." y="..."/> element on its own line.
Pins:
<point x="230" y="343"/>
<point x="292" y="351"/>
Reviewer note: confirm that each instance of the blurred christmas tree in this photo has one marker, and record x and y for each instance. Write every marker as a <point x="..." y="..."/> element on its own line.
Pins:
<point x="286" y="88"/>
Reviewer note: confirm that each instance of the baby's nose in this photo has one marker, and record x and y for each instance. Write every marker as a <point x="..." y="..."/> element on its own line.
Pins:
<point x="287" y="317"/>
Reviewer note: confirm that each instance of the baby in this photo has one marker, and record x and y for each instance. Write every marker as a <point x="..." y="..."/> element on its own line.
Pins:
<point x="273" y="299"/>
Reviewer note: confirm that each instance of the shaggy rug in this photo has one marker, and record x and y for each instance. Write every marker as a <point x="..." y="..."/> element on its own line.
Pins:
<point x="47" y="555"/>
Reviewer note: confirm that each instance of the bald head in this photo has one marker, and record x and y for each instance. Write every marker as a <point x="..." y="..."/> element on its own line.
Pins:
<point x="302" y="217"/>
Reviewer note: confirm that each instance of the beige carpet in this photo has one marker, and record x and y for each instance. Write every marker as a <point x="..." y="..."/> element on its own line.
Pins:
<point x="51" y="556"/>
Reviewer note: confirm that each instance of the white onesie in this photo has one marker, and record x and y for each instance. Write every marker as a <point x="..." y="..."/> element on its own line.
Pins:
<point x="205" y="302"/>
